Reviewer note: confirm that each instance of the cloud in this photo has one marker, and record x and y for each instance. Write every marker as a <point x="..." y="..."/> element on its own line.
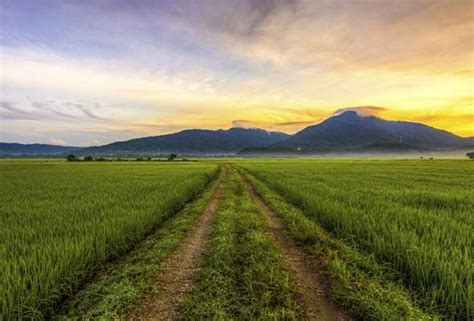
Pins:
<point x="88" y="109"/>
<point x="50" y="109"/>
<point x="11" y="112"/>
<point x="290" y="127"/>
<point x="296" y="123"/>
<point x="244" y="123"/>
<point x="95" y="142"/>
<point x="56" y="141"/>
<point x="161" y="66"/>
<point x="364" y="111"/>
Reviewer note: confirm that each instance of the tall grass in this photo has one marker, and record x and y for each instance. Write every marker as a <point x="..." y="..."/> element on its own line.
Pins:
<point x="416" y="216"/>
<point x="60" y="220"/>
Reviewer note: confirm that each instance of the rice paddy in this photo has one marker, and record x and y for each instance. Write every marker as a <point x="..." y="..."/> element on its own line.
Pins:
<point x="395" y="239"/>
<point x="59" y="221"/>
<point x="416" y="216"/>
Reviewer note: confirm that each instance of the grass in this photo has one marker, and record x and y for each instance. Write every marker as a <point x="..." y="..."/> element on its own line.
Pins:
<point x="357" y="281"/>
<point x="243" y="276"/>
<point x="85" y="240"/>
<point x="122" y="283"/>
<point x="415" y="217"/>
<point x="59" y="222"/>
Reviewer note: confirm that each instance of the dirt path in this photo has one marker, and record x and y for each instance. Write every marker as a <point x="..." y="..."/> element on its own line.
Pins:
<point x="179" y="270"/>
<point x="312" y="290"/>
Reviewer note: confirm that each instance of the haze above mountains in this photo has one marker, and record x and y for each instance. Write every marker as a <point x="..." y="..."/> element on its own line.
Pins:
<point x="347" y="132"/>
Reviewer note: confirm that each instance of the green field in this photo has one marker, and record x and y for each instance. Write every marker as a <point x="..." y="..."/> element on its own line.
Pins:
<point x="59" y="221"/>
<point x="416" y="216"/>
<point x="395" y="239"/>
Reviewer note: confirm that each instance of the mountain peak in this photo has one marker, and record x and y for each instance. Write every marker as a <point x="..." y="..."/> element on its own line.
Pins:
<point x="351" y="130"/>
<point x="354" y="114"/>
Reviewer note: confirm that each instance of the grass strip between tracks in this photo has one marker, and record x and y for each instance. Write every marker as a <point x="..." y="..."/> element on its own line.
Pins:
<point x="243" y="275"/>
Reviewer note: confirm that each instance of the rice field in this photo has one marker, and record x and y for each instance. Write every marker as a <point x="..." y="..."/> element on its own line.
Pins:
<point x="59" y="221"/>
<point x="394" y="238"/>
<point x="417" y="217"/>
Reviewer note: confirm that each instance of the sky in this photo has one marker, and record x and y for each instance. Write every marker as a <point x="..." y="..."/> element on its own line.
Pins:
<point x="92" y="72"/>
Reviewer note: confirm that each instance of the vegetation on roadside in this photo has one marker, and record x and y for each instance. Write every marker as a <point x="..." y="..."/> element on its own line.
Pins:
<point x="89" y="158"/>
<point x="357" y="282"/>
<point x="243" y="276"/>
<point x="411" y="216"/>
<point x="60" y="222"/>
<point x="122" y="283"/>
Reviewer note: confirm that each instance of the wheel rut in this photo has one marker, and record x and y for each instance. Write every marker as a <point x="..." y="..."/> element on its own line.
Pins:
<point x="311" y="288"/>
<point x="179" y="270"/>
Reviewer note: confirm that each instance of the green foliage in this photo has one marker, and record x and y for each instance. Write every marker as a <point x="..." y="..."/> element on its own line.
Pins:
<point x="243" y="276"/>
<point x="72" y="158"/>
<point x="59" y="223"/>
<point x="172" y="157"/>
<point x="415" y="217"/>
<point x="88" y="158"/>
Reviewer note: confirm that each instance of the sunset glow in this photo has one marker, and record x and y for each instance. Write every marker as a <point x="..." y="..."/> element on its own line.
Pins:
<point x="86" y="73"/>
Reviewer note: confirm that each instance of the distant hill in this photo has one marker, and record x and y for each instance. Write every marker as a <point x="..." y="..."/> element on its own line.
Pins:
<point x="350" y="132"/>
<point x="193" y="142"/>
<point x="14" y="149"/>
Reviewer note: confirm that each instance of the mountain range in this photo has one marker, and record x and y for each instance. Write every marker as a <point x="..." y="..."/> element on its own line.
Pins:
<point x="347" y="132"/>
<point x="193" y="142"/>
<point x="15" y="149"/>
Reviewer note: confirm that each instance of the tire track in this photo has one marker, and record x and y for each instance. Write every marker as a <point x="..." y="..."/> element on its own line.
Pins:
<point x="179" y="271"/>
<point x="312" y="290"/>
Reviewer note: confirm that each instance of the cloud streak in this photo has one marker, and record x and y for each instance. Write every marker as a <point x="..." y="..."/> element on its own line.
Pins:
<point x="51" y="110"/>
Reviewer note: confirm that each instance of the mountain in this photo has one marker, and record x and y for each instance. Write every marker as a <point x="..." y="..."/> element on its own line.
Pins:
<point x="14" y="149"/>
<point x="350" y="132"/>
<point x="193" y="142"/>
<point x="347" y="132"/>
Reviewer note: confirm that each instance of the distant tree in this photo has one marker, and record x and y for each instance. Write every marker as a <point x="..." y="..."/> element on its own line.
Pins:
<point x="88" y="158"/>
<point x="172" y="157"/>
<point x="470" y="155"/>
<point x="139" y="159"/>
<point x="71" y="158"/>
<point x="148" y="158"/>
<point x="100" y="159"/>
